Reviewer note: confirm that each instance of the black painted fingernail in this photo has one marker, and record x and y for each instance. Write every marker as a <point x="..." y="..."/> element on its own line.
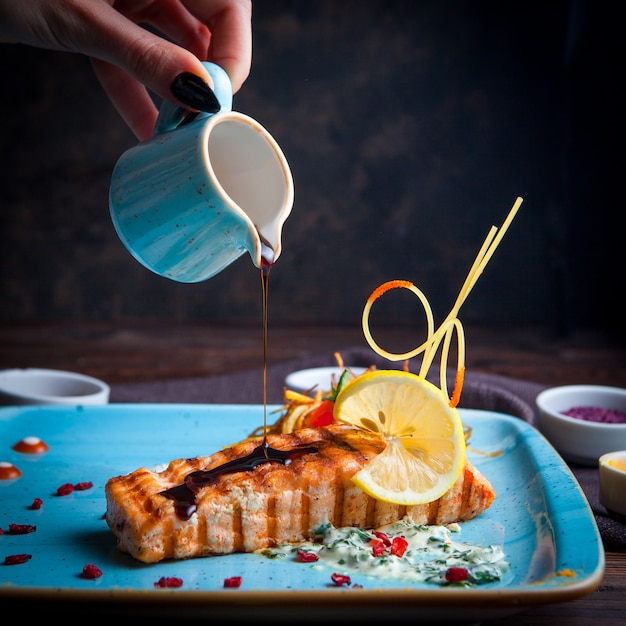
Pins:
<point x="195" y="93"/>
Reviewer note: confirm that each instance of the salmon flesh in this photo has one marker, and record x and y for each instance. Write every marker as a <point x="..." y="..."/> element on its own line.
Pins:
<point x="156" y="515"/>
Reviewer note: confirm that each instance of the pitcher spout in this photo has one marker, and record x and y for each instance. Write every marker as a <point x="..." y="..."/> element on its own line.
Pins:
<point x="265" y="247"/>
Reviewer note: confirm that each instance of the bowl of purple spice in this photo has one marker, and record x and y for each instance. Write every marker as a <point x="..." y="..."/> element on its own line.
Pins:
<point x="583" y="422"/>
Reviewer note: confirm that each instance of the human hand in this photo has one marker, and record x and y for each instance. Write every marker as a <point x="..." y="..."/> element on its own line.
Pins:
<point x="129" y="60"/>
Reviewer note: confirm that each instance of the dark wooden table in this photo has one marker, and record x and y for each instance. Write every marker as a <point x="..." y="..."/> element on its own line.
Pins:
<point x="145" y="351"/>
<point x="142" y="351"/>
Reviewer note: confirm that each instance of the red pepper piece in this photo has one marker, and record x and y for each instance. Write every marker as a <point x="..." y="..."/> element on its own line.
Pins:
<point x="321" y="416"/>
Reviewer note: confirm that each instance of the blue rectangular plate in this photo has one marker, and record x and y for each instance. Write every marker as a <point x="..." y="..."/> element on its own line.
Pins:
<point x="540" y="516"/>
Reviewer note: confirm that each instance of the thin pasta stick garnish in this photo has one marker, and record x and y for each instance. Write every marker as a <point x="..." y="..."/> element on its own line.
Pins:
<point x="442" y="337"/>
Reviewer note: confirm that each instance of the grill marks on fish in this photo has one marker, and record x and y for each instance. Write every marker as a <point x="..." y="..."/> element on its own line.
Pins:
<point x="185" y="495"/>
<point x="272" y="503"/>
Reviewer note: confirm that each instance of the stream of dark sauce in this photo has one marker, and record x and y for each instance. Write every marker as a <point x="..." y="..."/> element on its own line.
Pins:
<point x="184" y="496"/>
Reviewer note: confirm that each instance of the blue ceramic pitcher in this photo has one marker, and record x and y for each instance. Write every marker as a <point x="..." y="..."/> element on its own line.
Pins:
<point x="199" y="194"/>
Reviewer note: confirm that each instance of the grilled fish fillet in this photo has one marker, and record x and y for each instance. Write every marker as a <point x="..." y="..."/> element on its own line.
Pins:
<point x="273" y="503"/>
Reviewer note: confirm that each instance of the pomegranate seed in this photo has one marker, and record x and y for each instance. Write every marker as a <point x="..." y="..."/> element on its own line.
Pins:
<point x="399" y="546"/>
<point x="21" y="529"/>
<point x="233" y="582"/>
<point x="307" y="557"/>
<point x="457" y="574"/>
<point x="82" y="486"/>
<point x="65" y="489"/>
<point x="17" y="559"/>
<point x="37" y="503"/>
<point x="169" y="582"/>
<point x="340" y="579"/>
<point x="382" y="536"/>
<point x="91" y="571"/>
<point x="378" y="547"/>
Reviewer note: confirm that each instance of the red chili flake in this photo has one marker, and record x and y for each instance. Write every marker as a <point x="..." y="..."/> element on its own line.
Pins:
<point x="378" y="547"/>
<point x="457" y="574"/>
<point x="233" y="582"/>
<point x="169" y="582"/>
<point x="382" y="536"/>
<point x="91" y="571"/>
<point x="306" y="557"/>
<point x="65" y="489"/>
<point x="21" y="529"/>
<point x="399" y="546"/>
<point x="340" y="579"/>
<point x="37" y="504"/>
<point x="17" y="559"/>
<point x="82" y="486"/>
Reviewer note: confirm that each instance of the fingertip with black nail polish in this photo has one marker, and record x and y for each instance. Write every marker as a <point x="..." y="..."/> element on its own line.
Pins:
<point x="192" y="91"/>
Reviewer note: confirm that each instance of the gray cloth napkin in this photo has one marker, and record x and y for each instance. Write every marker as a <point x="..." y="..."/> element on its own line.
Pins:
<point x="489" y="392"/>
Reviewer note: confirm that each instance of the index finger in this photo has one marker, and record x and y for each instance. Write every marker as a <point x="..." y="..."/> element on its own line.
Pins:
<point x="230" y="24"/>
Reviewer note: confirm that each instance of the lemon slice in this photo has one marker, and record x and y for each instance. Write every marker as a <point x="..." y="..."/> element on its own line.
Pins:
<point x="425" y="450"/>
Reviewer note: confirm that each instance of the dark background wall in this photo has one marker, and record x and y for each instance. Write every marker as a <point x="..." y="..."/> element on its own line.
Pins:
<point x="410" y="127"/>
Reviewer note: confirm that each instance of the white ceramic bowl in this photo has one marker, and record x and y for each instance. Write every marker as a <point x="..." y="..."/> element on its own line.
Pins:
<point x="577" y="440"/>
<point x="317" y="378"/>
<point x="612" y="470"/>
<point x="45" y="386"/>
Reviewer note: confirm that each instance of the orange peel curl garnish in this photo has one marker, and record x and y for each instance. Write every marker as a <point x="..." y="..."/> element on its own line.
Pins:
<point x="441" y="337"/>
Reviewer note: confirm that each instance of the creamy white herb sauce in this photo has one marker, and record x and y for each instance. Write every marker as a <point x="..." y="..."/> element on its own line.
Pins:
<point x="428" y="554"/>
